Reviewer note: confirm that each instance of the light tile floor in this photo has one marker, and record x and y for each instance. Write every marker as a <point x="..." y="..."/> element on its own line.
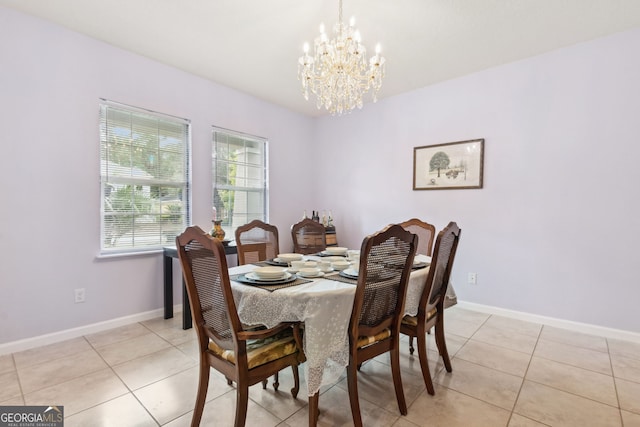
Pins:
<point x="506" y="372"/>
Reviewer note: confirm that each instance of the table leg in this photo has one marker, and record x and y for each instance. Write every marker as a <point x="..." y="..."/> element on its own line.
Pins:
<point x="313" y="409"/>
<point x="168" y="287"/>
<point x="186" y="308"/>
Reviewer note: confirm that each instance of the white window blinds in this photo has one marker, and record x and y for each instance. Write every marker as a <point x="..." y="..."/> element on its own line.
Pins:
<point x="145" y="178"/>
<point x="240" y="178"/>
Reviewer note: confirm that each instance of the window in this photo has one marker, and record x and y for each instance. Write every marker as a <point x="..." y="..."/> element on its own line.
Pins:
<point x="144" y="175"/>
<point x="239" y="178"/>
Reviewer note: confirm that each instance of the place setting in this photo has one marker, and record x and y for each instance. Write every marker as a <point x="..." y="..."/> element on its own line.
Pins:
<point x="333" y="251"/>
<point x="284" y="260"/>
<point x="311" y="269"/>
<point x="421" y="261"/>
<point x="350" y="273"/>
<point x="269" y="278"/>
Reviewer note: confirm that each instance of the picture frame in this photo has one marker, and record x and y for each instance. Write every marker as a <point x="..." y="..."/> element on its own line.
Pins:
<point x="450" y="166"/>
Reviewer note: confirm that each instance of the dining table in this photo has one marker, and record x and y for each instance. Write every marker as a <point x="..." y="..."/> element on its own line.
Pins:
<point x="324" y="305"/>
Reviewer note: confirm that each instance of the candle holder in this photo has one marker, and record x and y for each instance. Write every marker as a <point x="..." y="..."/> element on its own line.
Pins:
<point x="217" y="230"/>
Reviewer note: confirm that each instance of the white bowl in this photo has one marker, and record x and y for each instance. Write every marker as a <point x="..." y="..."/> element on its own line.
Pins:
<point x="309" y="272"/>
<point x="340" y="265"/>
<point x="336" y="250"/>
<point x="298" y="264"/>
<point x="269" y="272"/>
<point x="289" y="257"/>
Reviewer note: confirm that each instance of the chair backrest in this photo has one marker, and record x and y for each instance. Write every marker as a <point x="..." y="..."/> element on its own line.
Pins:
<point x="385" y="264"/>
<point x="256" y="241"/>
<point x="440" y="269"/>
<point x="309" y="237"/>
<point x="425" y="232"/>
<point x="204" y="267"/>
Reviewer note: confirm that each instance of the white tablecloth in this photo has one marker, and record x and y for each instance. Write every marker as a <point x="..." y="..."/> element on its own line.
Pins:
<point x="325" y="308"/>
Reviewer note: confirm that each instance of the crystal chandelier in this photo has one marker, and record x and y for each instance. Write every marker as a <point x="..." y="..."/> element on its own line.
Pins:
<point x="338" y="73"/>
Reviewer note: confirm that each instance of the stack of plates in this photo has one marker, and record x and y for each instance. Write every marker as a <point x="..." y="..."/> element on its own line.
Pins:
<point x="252" y="278"/>
<point x="270" y="273"/>
<point x="419" y="259"/>
<point x="336" y="250"/>
<point x="287" y="258"/>
<point x="310" y="272"/>
<point x="350" y="273"/>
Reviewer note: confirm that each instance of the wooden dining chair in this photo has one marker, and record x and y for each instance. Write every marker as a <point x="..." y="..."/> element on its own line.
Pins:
<point x="309" y="237"/>
<point x="385" y="264"/>
<point x="425" y="232"/>
<point x="243" y="356"/>
<point x="431" y="306"/>
<point x="256" y="241"/>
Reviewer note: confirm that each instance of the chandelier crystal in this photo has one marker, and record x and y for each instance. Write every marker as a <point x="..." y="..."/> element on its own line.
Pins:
<point x="338" y="73"/>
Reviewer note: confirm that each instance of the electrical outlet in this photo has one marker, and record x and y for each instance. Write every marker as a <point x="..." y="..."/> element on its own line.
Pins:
<point x="79" y="295"/>
<point x="472" y="278"/>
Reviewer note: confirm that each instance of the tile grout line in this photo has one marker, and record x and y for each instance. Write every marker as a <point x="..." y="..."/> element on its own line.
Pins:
<point x="615" y="383"/>
<point x="130" y="391"/>
<point x="467" y="340"/>
<point x="15" y="367"/>
<point x="524" y="376"/>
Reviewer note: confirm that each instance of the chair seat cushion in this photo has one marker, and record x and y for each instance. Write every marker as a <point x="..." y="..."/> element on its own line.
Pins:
<point x="365" y="341"/>
<point x="261" y="351"/>
<point x="413" y="320"/>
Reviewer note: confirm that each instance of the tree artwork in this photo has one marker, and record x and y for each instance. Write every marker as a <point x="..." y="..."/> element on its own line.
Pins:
<point x="439" y="161"/>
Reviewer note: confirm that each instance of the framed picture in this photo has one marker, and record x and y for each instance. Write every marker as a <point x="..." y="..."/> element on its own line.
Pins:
<point x="455" y="165"/>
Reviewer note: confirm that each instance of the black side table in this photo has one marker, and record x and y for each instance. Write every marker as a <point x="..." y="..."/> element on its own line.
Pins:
<point x="170" y="252"/>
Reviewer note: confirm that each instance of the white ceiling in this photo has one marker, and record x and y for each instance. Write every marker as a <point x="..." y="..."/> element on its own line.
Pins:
<point x="254" y="45"/>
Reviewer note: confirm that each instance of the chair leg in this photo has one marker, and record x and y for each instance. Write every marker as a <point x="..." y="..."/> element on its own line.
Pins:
<point x="397" y="380"/>
<point x="242" y="400"/>
<point x="264" y="384"/>
<point x="276" y="384"/>
<point x="411" y="349"/>
<point x="424" y="362"/>
<point x="203" y="384"/>
<point x="352" y="382"/>
<point x="229" y="382"/>
<point x="442" y="346"/>
<point x="313" y="409"/>
<point x="296" y="381"/>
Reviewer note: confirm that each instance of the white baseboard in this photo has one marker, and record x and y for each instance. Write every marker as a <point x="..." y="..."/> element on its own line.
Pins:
<point x="55" y="337"/>
<point x="584" y="328"/>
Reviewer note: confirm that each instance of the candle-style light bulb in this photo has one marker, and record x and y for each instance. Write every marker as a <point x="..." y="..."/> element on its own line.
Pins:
<point x="305" y="48"/>
<point x="352" y="21"/>
<point x="378" y="49"/>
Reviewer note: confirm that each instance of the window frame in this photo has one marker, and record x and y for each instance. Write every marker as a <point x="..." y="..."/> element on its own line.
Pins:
<point x="138" y="181"/>
<point x="229" y="226"/>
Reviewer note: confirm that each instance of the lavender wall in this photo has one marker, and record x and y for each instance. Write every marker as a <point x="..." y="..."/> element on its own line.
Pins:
<point x="555" y="230"/>
<point x="51" y="80"/>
